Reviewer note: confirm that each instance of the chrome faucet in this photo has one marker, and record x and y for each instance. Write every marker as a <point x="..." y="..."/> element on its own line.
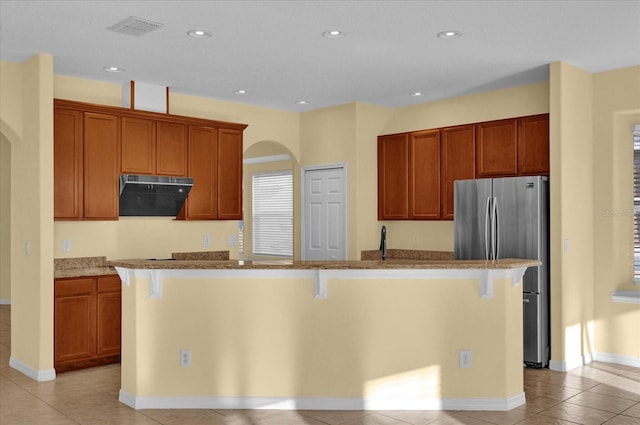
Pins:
<point x="383" y="242"/>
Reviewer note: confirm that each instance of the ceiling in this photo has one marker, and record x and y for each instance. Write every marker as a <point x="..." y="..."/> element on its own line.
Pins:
<point x="274" y="50"/>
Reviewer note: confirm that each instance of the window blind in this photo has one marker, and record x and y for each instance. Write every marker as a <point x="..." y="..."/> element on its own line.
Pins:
<point x="636" y="204"/>
<point x="272" y="210"/>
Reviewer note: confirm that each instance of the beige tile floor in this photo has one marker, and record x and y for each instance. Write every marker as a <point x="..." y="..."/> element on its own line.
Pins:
<point x="599" y="393"/>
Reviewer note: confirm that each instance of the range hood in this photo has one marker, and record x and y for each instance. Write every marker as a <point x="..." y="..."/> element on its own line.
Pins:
<point x="153" y="195"/>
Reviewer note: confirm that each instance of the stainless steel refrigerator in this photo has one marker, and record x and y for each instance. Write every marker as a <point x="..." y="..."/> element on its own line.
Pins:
<point x="509" y="218"/>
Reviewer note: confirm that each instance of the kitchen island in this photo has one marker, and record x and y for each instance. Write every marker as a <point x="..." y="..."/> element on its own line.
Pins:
<point x="322" y="335"/>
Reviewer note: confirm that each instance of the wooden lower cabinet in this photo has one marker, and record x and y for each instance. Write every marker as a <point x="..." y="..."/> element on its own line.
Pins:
<point x="87" y="322"/>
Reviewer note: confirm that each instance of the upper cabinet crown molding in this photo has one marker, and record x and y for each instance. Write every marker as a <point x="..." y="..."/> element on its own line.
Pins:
<point x="122" y="112"/>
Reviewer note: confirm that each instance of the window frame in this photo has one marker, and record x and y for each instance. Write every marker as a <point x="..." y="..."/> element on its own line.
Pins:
<point x="272" y="248"/>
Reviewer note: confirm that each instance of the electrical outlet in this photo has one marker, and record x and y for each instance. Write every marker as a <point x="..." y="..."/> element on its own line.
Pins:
<point x="465" y="359"/>
<point x="185" y="358"/>
<point x="27" y="248"/>
<point x="206" y="241"/>
<point x="66" y="245"/>
<point x="232" y="240"/>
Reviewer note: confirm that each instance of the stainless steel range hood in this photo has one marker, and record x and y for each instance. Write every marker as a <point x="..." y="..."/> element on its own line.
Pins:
<point x="153" y="195"/>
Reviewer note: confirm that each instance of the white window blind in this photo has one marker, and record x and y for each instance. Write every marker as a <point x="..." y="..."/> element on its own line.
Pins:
<point x="273" y="214"/>
<point x="636" y="203"/>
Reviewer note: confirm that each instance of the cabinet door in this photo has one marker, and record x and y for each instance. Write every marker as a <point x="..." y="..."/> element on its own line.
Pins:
<point x="74" y="320"/>
<point x="229" y="174"/>
<point x="67" y="164"/>
<point x="533" y="145"/>
<point x="138" y="141"/>
<point x="202" y="202"/>
<point x="424" y="185"/>
<point x="108" y="316"/>
<point x="171" y="149"/>
<point x="458" y="162"/>
<point x="497" y="148"/>
<point x="101" y="166"/>
<point x="393" y="177"/>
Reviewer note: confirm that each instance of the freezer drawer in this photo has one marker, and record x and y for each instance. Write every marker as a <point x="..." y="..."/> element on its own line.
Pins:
<point x="535" y="330"/>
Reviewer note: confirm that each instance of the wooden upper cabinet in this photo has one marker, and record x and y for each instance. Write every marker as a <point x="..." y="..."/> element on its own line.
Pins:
<point x="393" y="177"/>
<point x="424" y="183"/>
<point x="497" y="148"/>
<point x="171" y="149"/>
<point x="202" y="202"/>
<point x="101" y="165"/>
<point x="229" y="174"/>
<point x="67" y="164"/>
<point x="533" y="145"/>
<point x="138" y="140"/>
<point x="458" y="162"/>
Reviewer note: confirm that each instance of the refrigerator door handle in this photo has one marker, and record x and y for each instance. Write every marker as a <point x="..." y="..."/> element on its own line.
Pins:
<point x="496" y="230"/>
<point x="486" y="228"/>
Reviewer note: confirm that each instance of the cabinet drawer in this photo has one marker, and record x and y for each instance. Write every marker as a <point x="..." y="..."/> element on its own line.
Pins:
<point x="76" y="286"/>
<point x="109" y="284"/>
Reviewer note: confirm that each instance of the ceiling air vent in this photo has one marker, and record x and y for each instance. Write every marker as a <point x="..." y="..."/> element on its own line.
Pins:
<point x="135" y="26"/>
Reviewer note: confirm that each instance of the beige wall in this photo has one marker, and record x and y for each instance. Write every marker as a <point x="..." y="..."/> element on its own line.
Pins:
<point x="5" y="220"/>
<point x="27" y="123"/>
<point x="571" y="152"/>
<point x="616" y="100"/>
<point x="371" y="338"/>
<point x="10" y="132"/>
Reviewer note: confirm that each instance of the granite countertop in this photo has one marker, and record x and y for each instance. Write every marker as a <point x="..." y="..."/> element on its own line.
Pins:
<point x="99" y="266"/>
<point x="323" y="265"/>
<point x="81" y="267"/>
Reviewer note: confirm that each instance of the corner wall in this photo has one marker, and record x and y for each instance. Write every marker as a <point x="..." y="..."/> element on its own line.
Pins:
<point x="32" y="225"/>
<point x="572" y="241"/>
<point x="616" y="103"/>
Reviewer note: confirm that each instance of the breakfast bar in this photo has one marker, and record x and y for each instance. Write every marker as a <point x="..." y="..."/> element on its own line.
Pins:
<point x="356" y="335"/>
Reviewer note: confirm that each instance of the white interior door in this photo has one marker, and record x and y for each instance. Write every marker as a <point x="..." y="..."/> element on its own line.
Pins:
<point x="324" y="214"/>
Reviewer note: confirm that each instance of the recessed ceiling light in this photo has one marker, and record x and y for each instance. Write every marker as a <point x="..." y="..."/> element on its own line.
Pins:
<point x="449" y="34"/>
<point x="199" y="34"/>
<point x="240" y="92"/>
<point x="302" y="102"/>
<point x="333" y="34"/>
<point x="113" y="69"/>
<point x="417" y="94"/>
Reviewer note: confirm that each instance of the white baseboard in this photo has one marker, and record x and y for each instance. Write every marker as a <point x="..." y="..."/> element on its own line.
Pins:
<point x="5" y="301"/>
<point x="36" y="375"/>
<point x="617" y="359"/>
<point x="565" y="366"/>
<point x="320" y="403"/>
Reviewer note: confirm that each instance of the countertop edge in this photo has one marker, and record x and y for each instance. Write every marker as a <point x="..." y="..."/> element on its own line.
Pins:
<point x="504" y="264"/>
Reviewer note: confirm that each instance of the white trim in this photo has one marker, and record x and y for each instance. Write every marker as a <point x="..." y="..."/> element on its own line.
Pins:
<point x="576" y="362"/>
<point x="303" y="170"/>
<point x="617" y="359"/>
<point x="321" y="403"/>
<point x="36" y="375"/>
<point x="321" y="276"/>
<point x="269" y="158"/>
<point x="5" y="301"/>
<point x="630" y="297"/>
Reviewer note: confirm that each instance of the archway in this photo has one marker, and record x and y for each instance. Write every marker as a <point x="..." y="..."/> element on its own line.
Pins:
<point x="5" y="219"/>
<point x="267" y="157"/>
